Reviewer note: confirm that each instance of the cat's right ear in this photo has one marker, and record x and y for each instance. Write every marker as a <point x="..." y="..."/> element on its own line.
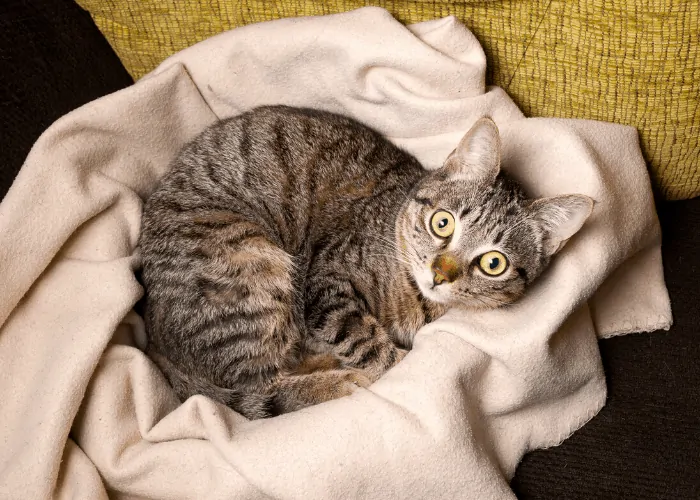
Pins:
<point x="477" y="157"/>
<point x="560" y="217"/>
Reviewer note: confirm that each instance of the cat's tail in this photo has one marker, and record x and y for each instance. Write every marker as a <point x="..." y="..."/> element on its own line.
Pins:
<point x="250" y="405"/>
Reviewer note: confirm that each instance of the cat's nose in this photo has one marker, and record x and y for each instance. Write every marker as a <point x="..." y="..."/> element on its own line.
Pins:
<point x="445" y="269"/>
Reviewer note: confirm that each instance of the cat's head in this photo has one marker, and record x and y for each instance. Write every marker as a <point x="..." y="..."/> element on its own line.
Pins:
<point x="470" y="236"/>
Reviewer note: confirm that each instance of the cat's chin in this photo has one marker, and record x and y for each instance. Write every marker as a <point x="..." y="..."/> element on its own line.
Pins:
<point x="435" y="297"/>
<point x="439" y="294"/>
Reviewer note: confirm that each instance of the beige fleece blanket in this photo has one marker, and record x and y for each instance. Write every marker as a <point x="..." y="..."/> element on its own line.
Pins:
<point x="84" y="414"/>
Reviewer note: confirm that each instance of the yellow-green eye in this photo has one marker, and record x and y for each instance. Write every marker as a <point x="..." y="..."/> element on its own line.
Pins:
<point x="442" y="224"/>
<point x="493" y="263"/>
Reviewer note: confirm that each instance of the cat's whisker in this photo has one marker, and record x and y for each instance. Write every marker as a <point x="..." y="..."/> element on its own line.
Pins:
<point x="381" y="237"/>
<point x="479" y="299"/>
<point x="401" y="190"/>
<point x="390" y="257"/>
<point x="516" y="226"/>
<point x="402" y="257"/>
<point x="492" y="299"/>
<point x="393" y="246"/>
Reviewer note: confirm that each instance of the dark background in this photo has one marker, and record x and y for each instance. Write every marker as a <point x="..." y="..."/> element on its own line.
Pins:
<point x="644" y="444"/>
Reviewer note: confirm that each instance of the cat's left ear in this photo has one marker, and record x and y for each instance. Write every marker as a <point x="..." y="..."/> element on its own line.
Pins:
<point x="560" y="217"/>
<point x="478" y="155"/>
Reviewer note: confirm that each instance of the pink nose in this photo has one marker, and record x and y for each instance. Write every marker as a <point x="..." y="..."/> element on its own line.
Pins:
<point x="445" y="269"/>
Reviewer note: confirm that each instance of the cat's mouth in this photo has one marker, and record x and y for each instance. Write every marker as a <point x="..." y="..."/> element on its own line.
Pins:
<point x="436" y="293"/>
<point x="445" y="295"/>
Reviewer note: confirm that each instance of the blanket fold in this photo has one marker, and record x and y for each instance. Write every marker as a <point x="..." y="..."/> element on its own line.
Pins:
<point x="86" y="414"/>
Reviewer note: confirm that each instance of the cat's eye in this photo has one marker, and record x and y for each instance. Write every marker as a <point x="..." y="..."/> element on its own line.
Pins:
<point x="493" y="263"/>
<point x="442" y="223"/>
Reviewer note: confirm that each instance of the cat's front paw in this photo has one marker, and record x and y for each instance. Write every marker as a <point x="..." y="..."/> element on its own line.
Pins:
<point x="375" y="371"/>
<point x="400" y="354"/>
<point x="343" y="382"/>
<point x="353" y="379"/>
<point x="299" y="391"/>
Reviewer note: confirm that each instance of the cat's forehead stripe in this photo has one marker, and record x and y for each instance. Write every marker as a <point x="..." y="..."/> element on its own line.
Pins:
<point x="477" y="216"/>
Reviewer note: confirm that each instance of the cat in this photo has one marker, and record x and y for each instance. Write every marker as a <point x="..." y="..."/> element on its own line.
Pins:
<point x="290" y="255"/>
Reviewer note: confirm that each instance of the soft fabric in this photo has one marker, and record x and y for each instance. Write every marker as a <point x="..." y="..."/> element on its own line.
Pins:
<point x="85" y="412"/>
<point x="633" y="62"/>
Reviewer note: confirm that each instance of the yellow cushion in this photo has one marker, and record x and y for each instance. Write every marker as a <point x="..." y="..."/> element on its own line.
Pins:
<point x="635" y="62"/>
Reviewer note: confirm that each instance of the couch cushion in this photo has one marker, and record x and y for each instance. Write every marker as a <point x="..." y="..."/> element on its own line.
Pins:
<point x="634" y="62"/>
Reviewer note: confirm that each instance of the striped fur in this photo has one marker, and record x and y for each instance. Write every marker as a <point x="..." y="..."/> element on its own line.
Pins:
<point x="287" y="258"/>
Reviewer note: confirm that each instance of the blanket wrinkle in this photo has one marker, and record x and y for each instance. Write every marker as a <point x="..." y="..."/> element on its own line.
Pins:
<point x="86" y="413"/>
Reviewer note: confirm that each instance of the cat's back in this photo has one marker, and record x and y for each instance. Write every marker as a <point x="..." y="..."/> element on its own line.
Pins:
<point x="272" y="152"/>
<point x="278" y="164"/>
<point x="270" y="141"/>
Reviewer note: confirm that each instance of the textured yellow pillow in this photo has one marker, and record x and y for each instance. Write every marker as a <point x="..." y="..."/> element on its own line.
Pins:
<point x="635" y="62"/>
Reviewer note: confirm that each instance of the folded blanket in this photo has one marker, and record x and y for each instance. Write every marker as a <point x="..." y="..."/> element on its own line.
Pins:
<point x="85" y="414"/>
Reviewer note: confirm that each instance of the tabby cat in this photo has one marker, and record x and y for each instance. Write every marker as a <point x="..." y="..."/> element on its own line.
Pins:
<point x="291" y="255"/>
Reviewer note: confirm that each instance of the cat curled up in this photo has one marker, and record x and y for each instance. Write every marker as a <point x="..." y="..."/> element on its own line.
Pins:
<point x="291" y="255"/>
